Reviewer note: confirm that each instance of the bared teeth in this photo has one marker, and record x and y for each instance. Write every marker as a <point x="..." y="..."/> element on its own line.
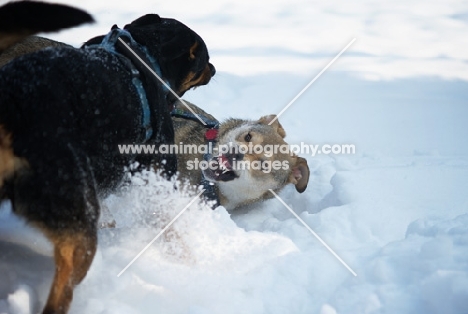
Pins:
<point x="223" y="165"/>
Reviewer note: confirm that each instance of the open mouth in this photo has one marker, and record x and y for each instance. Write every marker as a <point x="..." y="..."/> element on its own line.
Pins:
<point x="220" y="169"/>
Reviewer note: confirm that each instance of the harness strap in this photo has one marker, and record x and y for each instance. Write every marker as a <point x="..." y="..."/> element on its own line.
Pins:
<point x="211" y="190"/>
<point x="181" y="113"/>
<point x="111" y="44"/>
<point x="211" y="136"/>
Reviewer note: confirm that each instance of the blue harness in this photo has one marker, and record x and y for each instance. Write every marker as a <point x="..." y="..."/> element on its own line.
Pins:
<point x="209" y="123"/>
<point x="112" y="44"/>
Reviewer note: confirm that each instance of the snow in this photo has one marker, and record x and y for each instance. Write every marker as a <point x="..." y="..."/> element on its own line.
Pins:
<point x="395" y="40"/>
<point x="396" y="212"/>
<point x="400" y="223"/>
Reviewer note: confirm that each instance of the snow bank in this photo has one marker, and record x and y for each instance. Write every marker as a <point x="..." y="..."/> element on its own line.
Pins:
<point x="400" y="223"/>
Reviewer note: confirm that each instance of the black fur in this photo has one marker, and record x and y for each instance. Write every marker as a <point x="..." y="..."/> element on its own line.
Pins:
<point x="40" y="17"/>
<point x="176" y="40"/>
<point x="67" y="110"/>
<point x="55" y="99"/>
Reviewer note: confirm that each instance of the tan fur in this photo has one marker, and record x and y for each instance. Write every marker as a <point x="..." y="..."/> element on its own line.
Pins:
<point x="192" y="51"/>
<point x="13" y="46"/>
<point x="7" y="159"/>
<point x="9" y="39"/>
<point x="275" y="125"/>
<point x="27" y="45"/>
<point x="74" y="250"/>
<point x="252" y="185"/>
<point x="9" y="163"/>
<point x="190" y="81"/>
<point x="189" y="132"/>
<point x="73" y="254"/>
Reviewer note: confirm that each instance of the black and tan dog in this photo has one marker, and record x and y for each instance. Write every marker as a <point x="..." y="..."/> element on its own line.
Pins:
<point x="63" y="112"/>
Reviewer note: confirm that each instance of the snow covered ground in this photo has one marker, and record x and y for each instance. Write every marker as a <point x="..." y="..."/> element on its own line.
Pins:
<point x="396" y="212"/>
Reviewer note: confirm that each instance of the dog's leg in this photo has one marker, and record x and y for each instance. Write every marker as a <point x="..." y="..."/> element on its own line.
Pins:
<point x="57" y="194"/>
<point x="73" y="256"/>
<point x="75" y="245"/>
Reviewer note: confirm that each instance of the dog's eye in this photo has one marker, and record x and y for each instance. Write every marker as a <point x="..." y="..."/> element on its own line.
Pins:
<point x="248" y="137"/>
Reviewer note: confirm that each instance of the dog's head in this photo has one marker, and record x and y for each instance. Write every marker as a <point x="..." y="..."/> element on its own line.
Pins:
<point x="253" y="158"/>
<point x="181" y="52"/>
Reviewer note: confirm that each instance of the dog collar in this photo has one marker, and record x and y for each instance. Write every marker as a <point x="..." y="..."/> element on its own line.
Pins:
<point x="112" y="44"/>
<point x="185" y="114"/>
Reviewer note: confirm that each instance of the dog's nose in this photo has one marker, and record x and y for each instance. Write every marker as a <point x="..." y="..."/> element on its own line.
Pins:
<point x="212" y="69"/>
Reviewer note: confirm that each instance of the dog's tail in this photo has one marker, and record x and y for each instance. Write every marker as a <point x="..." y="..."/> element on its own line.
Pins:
<point x="19" y="20"/>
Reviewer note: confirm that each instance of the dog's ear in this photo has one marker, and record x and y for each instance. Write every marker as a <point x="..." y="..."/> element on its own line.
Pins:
<point x="300" y="174"/>
<point x="179" y="40"/>
<point x="193" y="51"/>
<point x="145" y="20"/>
<point x="149" y="31"/>
<point x="178" y="45"/>
<point x="145" y="30"/>
<point x="276" y="125"/>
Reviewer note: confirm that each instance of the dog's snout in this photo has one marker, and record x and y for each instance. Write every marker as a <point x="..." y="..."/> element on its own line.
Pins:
<point x="212" y="69"/>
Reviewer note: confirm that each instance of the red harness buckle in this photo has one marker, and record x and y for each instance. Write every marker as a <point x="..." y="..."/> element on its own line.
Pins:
<point x="211" y="134"/>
